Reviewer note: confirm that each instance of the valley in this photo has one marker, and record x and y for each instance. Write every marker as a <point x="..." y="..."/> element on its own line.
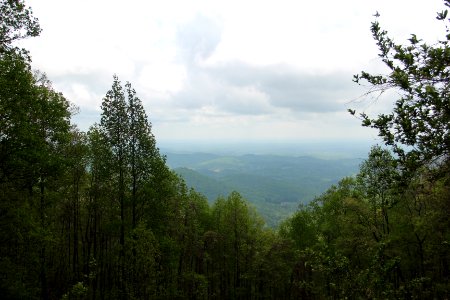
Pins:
<point x="274" y="184"/>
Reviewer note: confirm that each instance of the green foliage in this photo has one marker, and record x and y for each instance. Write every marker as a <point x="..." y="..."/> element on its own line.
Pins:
<point x="78" y="291"/>
<point x="302" y="228"/>
<point x="418" y="127"/>
<point x="368" y="237"/>
<point x="100" y="215"/>
<point x="275" y="185"/>
<point x="34" y="133"/>
<point x="16" y="22"/>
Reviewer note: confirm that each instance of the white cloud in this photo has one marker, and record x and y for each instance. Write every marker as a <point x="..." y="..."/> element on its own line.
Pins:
<point x="225" y="69"/>
<point x="162" y="77"/>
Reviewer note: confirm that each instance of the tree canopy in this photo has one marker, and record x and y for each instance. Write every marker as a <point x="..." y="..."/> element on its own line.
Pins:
<point x="17" y="22"/>
<point x="99" y="214"/>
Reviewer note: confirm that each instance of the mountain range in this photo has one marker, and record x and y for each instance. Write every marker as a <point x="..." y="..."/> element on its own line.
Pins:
<point x="274" y="184"/>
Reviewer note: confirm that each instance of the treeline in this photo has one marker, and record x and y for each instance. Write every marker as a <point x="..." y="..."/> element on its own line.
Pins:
<point x="371" y="238"/>
<point x="99" y="215"/>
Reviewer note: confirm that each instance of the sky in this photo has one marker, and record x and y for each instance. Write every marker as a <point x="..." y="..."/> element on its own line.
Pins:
<point x="227" y="70"/>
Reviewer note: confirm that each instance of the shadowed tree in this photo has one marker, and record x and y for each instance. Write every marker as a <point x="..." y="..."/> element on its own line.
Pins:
<point x="115" y="127"/>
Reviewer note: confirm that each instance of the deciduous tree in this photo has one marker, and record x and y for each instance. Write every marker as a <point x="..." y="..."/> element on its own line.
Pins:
<point x="16" y="22"/>
<point x="418" y="128"/>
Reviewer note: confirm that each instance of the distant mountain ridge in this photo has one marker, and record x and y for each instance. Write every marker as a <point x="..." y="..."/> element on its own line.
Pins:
<point x="274" y="184"/>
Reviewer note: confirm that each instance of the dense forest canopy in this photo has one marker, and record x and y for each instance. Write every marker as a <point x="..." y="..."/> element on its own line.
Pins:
<point x="99" y="215"/>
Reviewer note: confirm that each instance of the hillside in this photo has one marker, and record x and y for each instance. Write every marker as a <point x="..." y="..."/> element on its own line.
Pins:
<point x="275" y="185"/>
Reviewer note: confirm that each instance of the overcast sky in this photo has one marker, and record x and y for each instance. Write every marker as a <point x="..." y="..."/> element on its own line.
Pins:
<point x="226" y="70"/>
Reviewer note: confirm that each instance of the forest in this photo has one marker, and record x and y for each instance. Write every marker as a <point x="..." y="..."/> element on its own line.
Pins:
<point x="274" y="184"/>
<point x="100" y="215"/>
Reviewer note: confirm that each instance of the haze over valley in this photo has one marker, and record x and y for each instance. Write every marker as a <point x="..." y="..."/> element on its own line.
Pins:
<point x="274" y="177"/>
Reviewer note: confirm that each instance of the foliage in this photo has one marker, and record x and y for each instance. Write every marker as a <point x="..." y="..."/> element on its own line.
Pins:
<point x="100" y="215"/>
<point x="418" y="128"/>
<point x="368" y="238"/>
<point x="275" y="184"/>
<point x="16" y="22"/>
<point x="34" y="133"/>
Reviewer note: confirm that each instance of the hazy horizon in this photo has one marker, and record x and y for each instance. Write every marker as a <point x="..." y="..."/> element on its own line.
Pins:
<point x="317" y="148"/>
